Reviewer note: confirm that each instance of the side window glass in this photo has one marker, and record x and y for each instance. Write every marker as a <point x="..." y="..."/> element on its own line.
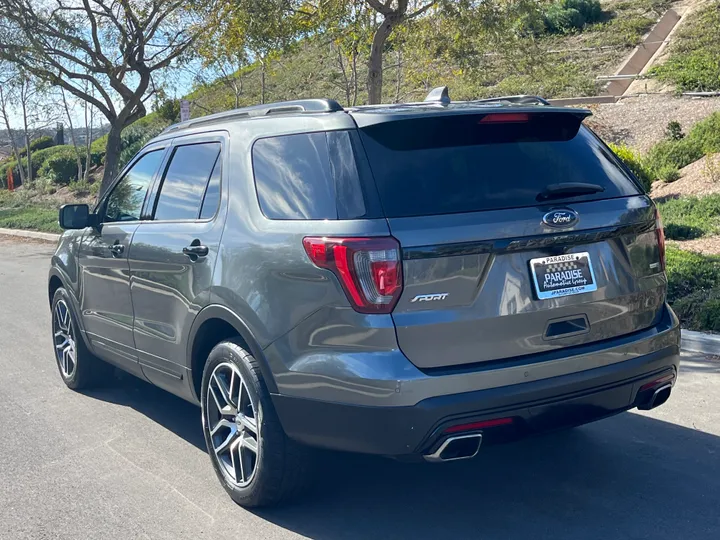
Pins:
<point x="212" y="194"/>
<point x="308" y="176"/>
<point x="127" y="197"/>
<point x="186" y="181"/>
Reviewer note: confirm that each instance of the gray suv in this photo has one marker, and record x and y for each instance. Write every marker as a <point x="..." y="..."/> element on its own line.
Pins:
<point x="407" y="280"/>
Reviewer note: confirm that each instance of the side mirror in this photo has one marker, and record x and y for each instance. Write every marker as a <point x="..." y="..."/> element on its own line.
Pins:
<point x="75" y="216"/>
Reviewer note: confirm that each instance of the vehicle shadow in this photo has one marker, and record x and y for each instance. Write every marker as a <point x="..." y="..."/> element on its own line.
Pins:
<point x="630" y="476"/>
<point x="171" y="412"/>
<point x="625" y="477"/>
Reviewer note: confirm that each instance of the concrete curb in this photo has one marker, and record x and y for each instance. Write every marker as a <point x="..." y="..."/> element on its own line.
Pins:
<point x="700" y="342"/>
<point x="35" y="235"/>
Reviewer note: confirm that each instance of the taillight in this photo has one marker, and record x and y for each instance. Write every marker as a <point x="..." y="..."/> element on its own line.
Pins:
<point x="660" y="237"/>
<point x="369" y="269"/>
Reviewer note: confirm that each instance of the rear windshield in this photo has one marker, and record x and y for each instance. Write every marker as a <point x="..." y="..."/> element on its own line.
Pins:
<point x="456" y="164"/>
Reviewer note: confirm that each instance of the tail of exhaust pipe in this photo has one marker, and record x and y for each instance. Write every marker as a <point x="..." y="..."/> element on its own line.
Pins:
<point x="454" y="448"/>
<point x="658" y="397"/>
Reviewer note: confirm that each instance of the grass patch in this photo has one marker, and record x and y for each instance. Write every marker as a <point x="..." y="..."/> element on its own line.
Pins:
<point x="34" y="218"/>
<point x="691" y="217"/>
<point x="694" y="288"/>
<point x="694" y="62"/>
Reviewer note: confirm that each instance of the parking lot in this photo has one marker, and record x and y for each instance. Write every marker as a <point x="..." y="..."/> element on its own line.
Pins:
<point x="128" y="461"/>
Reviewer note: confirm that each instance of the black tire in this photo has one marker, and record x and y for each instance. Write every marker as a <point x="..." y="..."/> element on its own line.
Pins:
<point x="281" y="466"/>
<point x="88" y="370"/>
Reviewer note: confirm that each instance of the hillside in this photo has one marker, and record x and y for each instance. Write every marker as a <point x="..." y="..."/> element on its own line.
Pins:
<point x="558" y="63"/>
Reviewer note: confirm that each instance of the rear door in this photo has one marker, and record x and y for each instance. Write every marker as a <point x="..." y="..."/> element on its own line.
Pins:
<point x="520" y="234"/>
<point x="173" y="255"/>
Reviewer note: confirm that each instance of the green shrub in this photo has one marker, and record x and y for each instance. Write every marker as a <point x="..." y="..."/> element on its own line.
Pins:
<point x="700" y="310"/>
<point x="80" y="188"/>
<point x="675" y="154"/>
<point x="690" y="273"/>
<point x="674" y="131"/>
<point x="635" y="163"/>
<point x="137" y="135"/>
<point x="691" y="217"/>
<point x="706" y="133"/>
<point x="566" y="16"/>
<point x="668" y="173"/>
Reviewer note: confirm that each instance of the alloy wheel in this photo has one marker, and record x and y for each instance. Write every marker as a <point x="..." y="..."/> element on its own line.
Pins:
<point x="65" y="342"/>
<point x="231" y="417"/>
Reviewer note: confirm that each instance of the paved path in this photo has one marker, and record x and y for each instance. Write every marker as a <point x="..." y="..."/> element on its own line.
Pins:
<point x="128" y="461"/>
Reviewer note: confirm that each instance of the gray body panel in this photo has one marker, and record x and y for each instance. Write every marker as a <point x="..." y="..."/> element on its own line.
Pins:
<point x="298" y="322"/>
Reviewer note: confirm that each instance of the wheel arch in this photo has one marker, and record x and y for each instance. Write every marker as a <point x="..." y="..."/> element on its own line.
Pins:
<point x="212" y="325"/>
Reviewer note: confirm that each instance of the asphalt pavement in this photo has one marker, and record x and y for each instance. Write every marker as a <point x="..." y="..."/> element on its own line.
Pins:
<point x="128" y="461"/>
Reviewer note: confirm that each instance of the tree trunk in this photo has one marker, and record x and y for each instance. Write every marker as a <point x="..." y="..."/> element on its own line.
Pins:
<point x="375" y="63"/>
<point x="112" y="156"/>
<point x="28" y="154"/>
<point x="72" y="138"/>
<point x="13" y="145"/>
<point x="262" y="81"/>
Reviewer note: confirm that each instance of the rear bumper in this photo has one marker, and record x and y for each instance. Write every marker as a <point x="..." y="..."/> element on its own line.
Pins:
<point x="534" y="406"/>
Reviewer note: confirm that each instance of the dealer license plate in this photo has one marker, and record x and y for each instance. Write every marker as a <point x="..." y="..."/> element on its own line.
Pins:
<point x="563" y="275"/>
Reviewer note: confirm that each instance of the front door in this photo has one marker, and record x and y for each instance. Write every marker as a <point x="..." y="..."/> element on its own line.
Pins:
<point x="105" y="272"/>
<point x="172" y="258"/>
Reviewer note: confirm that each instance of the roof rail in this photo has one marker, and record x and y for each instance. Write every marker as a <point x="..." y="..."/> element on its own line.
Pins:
<point x="284" y="107"/>
<point x="519" y="100"/>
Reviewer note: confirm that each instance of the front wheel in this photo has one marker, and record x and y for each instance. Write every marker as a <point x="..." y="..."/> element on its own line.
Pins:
<point x="257" y="464"/>
<point x="78" y="367"/>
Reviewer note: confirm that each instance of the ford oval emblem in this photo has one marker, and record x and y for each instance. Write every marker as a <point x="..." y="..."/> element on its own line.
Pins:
<point x="560" y="218"/>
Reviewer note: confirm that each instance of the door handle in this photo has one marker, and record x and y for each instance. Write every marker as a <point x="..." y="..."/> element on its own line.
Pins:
<point x="196" y="250"/>
<point x="117" y="249"/>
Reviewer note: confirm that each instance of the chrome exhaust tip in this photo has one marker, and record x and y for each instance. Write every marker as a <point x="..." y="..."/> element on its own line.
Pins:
<point x="455" y="448"/>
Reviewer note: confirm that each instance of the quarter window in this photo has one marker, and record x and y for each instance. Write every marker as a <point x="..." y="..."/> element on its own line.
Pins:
<point x="186" y="180"/>
<point x="309" y="176"/>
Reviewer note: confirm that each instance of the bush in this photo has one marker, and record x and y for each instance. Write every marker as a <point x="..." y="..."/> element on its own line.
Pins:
<point x="700" y="310"/>
<point x="62" y="166"/>
<point x="674" y="131"/>
<point x="634" y="163"/>
<point x="569" y="15"/>
<point x="135" y="136"/>
<point x="668" y="174"/>
<point x="690" y="273"/>
<point x="691" y="217"/>
<point x="706" y="133"/>
<point x="675" y="154"/>
<point x="703" y="138"/>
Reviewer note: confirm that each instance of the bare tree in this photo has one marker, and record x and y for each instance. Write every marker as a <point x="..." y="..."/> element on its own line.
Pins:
<point x="115" y="46"/>
<point x="5" y="104"/>
<point x="68" y="116"/>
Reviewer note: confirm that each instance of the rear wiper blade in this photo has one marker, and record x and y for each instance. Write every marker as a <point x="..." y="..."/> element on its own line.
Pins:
<point x="568" y="189"/>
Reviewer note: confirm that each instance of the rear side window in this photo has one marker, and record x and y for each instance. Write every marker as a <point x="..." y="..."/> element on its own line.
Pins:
<point x="310" y="176"/>
<point x="186" y="180"/>
<point x="455" y="164"/>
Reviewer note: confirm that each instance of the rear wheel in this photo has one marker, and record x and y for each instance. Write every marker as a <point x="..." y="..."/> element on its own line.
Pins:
<point x="78" y="367"/>
<point x="257" y="464"/>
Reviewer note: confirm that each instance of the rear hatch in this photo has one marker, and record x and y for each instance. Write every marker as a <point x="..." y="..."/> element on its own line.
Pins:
<point x="521" y="233"/>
